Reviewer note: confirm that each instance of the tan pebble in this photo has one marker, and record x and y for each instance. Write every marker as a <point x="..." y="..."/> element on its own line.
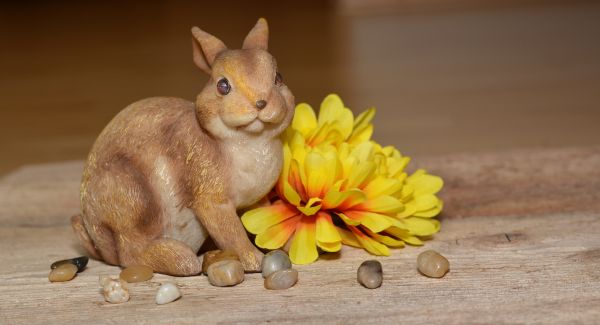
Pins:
<point x="370" y="274"/>
<point x="225" y="273"/>
<point x="211" y="257"/>
<point x="432" y="264"/>
<point x="282" y="279"/>
<point x="114" y="290"/>
<point x="64" y="272"/>
<point x="136" y="273"/>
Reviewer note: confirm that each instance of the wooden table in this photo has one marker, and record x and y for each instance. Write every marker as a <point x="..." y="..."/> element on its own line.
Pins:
<point x="521" y="230"/>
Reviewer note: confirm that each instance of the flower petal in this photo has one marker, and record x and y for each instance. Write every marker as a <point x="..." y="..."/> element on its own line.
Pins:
<point x="382" y="186"/>
<point x="372" y="246"/>
<point x="277" y="235"/>
<point x="290" y="194"/>
<point x="425" y="202"/>
<point x="359" y="174"/>
<point x="297" y="179"/>
<point x="386" y="240"/>
<point x="382" y="204"/>
<point x="258" y="220"/>
<point x="343" y="200"/>
<point x="310" y="208"/>
<point x="361" y="136"/>
<point x="287" y="156"/>
<point x="348" y="221"/>
<point x="326" y="231"/>
<point x="424" y="183"/>
<point x="374" y="221"/>
<point x="330" y="247"/>
<point x="431" y="212"/>
<point x="333" y="111"/>
<point x="348" y="238"/>
<point x="316" y="174"/>
<point x="421" y="226"/>
<point x="304" y="120"/>
<point x="409" y="210"/>
<point x="404" y="235"/>
<point x="364" y="118"/>
<point x="304" y="248"/>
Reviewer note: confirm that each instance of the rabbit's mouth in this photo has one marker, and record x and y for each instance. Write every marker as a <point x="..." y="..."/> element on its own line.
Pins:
<point x="256" y="126"/>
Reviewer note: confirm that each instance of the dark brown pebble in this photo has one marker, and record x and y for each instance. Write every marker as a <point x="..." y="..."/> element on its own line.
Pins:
<point x="81" y="262"/>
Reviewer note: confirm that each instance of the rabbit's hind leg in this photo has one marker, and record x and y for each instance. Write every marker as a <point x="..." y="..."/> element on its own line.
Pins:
<point x="84" y="237"/>
<point x="171" y="256"/>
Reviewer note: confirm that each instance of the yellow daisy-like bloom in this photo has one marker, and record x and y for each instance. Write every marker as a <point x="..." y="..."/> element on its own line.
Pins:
<point x="339" y="187"/>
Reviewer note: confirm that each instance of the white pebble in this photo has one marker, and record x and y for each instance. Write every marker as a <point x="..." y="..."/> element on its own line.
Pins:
<point x="114" y="290"/>
<point x="168" y="292"/>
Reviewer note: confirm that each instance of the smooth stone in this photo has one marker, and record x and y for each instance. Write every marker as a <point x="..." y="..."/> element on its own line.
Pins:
<point x="274" y="261"/>
<point x="370" y="274"/>
<point x="282" y="279"/>
<point x="167" y="292"/>
<point x="211" y="257"/>
<point x="81" y="262"/>
<point x="62" y="273"/>
<point x="432" y="264"/>
<point x="136" y="273"/>
<point x="114" y="290"/>
<point x="225" y="273"/>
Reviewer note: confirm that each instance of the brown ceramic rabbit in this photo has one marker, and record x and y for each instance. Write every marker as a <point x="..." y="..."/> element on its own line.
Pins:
<point x="166" y="173"/>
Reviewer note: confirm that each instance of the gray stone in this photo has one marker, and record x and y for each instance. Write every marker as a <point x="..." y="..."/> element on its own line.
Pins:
<point x="282" y="279"/>
<point x="274" y="261"/>
<point x="370" y="274"/>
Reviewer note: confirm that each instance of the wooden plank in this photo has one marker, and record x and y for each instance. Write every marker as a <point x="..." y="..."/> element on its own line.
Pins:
<point x="495" y="183"/>
<point x="37" y="195"/>
<point x="518" y="269"/>
<point x="517" y="182"/>
<point x="521" y="230"/>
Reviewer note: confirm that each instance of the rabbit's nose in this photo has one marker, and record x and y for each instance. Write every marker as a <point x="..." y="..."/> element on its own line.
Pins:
<point x="260" y="104"/>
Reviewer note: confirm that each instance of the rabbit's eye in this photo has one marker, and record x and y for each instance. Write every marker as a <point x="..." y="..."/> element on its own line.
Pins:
<point x="278" y="79"/>
<point x="223" y="86"/>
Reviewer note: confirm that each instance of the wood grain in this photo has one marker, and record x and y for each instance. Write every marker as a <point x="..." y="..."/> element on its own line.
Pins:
<point x="508" y="264"/>
<point x="512" y="269"/>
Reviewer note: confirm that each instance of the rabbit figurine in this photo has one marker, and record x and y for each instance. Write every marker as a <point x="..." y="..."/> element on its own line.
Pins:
<point x="167" y="173"/>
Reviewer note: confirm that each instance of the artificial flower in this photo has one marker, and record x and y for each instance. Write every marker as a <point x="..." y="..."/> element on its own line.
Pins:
<point x="337" y="187"/>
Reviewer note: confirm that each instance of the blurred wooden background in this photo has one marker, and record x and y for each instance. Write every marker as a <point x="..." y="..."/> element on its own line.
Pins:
<point x="446" y="76"/>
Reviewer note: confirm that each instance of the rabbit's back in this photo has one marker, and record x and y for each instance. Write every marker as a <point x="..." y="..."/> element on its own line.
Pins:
<point x="144" y="124"/>
<point x="138" y="167"/>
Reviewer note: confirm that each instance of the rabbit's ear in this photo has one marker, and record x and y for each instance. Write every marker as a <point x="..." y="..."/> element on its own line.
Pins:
<point x="258" y="38"/>
<point x="206" y="49"/>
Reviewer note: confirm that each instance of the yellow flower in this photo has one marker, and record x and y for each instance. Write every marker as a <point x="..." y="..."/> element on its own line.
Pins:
<point x="339" y="187"/>
<point x="335" y="124"/>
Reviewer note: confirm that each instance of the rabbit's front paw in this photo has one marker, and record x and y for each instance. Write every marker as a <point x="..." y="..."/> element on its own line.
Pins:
<point x="252" y="260"/>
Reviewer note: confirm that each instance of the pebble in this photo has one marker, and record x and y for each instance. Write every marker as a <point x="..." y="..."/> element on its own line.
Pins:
<point x="432" y="264"/>
<point x="211" y="257"/>
<point x="136" y="273"/>
<point x="62" y="273"/>
<point x="114" y="290"/>
<point x="282" y="279"/>
<point x="167" y="292"/>
<point x="370" y="274"/>
<point x="81" y="262"/>
<point x="274" y="261"/>
<point x="225" y="273"/>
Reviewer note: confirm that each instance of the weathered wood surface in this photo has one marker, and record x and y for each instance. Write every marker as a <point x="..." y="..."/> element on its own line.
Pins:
<point x="521" y="230"/>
